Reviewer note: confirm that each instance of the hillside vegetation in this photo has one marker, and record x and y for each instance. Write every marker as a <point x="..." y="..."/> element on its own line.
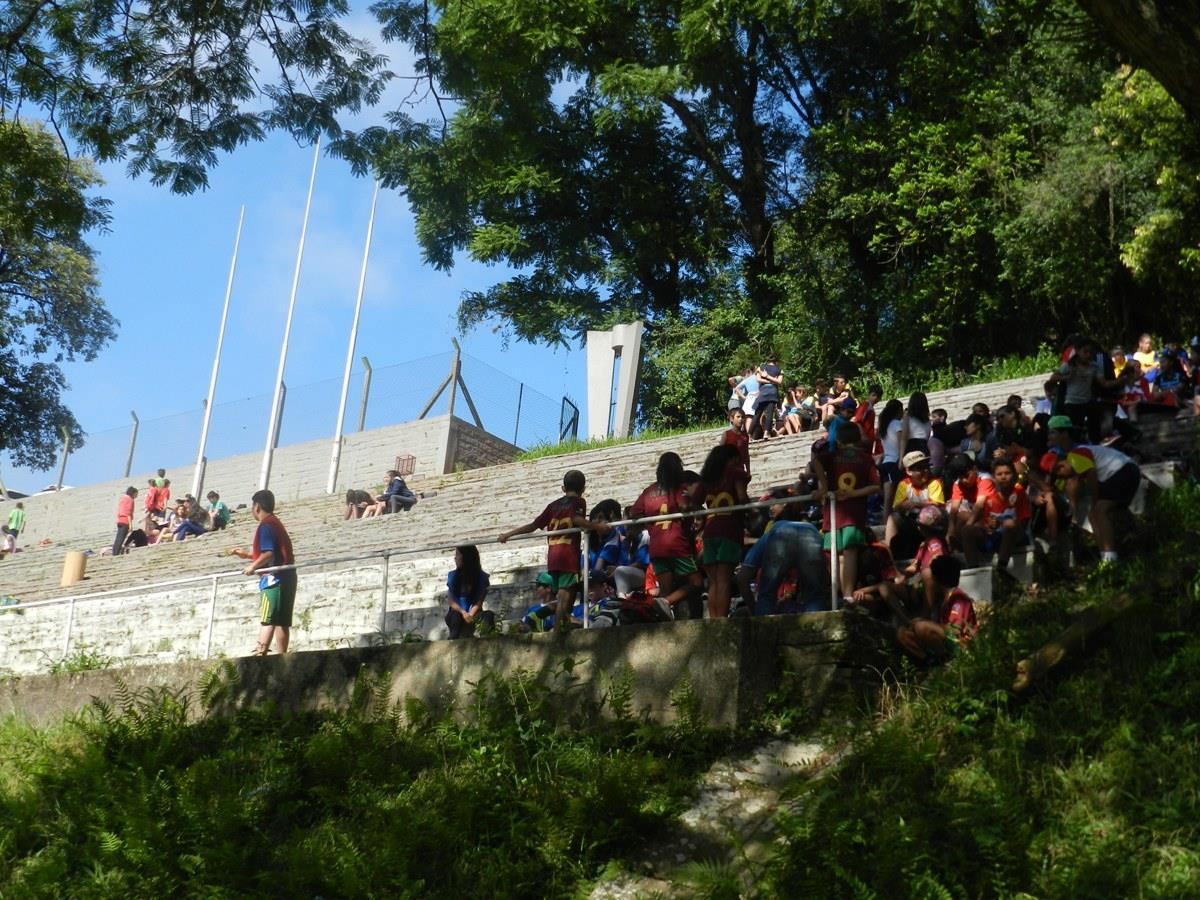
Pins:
<point x="1088" y="787"/>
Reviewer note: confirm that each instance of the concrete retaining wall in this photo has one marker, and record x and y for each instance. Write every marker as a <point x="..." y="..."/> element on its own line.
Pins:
<point x="731" y="665"/>
<point x="333" y="609"/>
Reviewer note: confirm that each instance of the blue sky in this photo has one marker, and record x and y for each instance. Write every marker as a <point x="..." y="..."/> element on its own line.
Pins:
<point x="163" y="268"/>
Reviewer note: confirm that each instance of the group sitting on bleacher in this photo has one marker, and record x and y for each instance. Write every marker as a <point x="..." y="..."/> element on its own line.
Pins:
<point x="396" y="497"/>
<point x="946" y="493"/>
<point x="165" y="522"/>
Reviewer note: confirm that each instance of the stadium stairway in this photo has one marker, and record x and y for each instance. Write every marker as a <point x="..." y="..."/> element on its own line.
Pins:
<point x="340" y="603"/>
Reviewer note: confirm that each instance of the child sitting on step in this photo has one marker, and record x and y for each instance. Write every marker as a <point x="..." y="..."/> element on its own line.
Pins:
<point x="953" y="624"/>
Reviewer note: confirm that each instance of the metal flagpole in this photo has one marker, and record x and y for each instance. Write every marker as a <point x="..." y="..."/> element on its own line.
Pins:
<point x="336" y="456"/>
<point x="198" y="474"/>
<point x="264" y="475"/>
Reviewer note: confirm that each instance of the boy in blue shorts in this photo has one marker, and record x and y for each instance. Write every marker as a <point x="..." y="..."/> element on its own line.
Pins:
<point x="563" y="550"/>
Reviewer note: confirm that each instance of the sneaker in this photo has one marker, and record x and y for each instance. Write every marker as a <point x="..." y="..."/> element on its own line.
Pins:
<point x="663" y="608"/>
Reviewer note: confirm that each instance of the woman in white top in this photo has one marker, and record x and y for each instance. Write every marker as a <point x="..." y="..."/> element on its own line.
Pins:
<point x="915" y="428"/>
<point x="888" y="429"/>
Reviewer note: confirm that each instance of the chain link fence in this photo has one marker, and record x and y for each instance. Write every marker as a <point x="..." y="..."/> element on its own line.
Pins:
<point x="508" y="408"/>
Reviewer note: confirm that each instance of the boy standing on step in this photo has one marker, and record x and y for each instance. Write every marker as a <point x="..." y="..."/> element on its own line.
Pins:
<point x="563" y="550"/>
<point x="736" y="436"/>
<point x="272" y="547"/>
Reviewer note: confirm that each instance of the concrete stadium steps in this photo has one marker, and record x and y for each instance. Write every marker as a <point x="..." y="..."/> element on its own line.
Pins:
<point x="342" y="603"/>
<point x="440" y="444"/>
<point x="497" y="498"/>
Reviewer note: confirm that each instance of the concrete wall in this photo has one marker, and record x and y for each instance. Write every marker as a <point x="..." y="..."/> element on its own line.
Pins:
<point x="732" y="665"/>
<point x="470" y="447"/>
<point x="333" y="609"/>
<point x="300" y="470"/>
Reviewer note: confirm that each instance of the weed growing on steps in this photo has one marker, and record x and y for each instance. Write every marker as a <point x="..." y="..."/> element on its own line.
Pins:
<point x="82" y="659"/>
<point x="148" y="797"/>
<point x="1088" y="788"/>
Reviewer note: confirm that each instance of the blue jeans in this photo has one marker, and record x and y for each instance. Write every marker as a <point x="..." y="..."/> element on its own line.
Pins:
<point x="792" y="546"/>
<point x="188" y="527"/>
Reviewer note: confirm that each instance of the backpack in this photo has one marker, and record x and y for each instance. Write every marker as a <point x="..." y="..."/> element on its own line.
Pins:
<point x="637" y="608"/>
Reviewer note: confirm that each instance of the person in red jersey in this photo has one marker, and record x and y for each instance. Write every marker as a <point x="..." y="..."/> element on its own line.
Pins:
<point x="850" y="474"/>
<point x="722" y="483"/>
<point x="736" y="436"/>
<point x="562" y="550"/>
<point x="124" y="519"/>
<point x="1003" y="515"/>
<point x="954" y="623"/>
<point x="671" y="548"/>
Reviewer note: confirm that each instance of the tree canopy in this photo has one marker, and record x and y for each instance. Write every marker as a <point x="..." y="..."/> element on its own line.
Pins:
<point x="168" y="84"/>
<point x="164" y="86"/>
<point x="862" y="184"/>
<point x="50" y="307"/>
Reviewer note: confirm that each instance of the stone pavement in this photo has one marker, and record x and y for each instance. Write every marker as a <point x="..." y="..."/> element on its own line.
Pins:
<point x="729" y="824"/>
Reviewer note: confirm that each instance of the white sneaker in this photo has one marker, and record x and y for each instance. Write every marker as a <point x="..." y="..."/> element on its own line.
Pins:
<point x="663" y="608"/>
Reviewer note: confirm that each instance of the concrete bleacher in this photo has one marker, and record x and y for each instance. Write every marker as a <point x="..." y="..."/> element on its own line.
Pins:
<point x="339" y="603"/>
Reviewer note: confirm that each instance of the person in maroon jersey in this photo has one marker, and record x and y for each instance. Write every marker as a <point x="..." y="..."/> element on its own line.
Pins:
<point x="722" y="483"/>
<point x="671" y="550"/>
<point x="850" y="474"/>
<point x="562" y="553"/>
<point x="736" y="436"/>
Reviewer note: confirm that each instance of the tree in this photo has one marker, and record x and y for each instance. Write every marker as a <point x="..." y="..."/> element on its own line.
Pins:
<point x="166" y="84"/>
<point x="1163" y="37"/>
<point x="855" y="184"/>
<point x="50" y="307"/>
<point x="627" y="158"/>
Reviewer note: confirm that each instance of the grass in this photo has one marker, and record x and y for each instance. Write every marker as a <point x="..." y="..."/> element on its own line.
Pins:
<point x="1089" y="788"/>
<point x="902" y="385"/>
<point x="515" y="800"/>
<point x="575" y="445"/>
<point x="83" y="659"/>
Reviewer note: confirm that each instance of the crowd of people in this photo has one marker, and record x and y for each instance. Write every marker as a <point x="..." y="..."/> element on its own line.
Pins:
<point x="945" y="495"/>
<point x="948" y="495"/>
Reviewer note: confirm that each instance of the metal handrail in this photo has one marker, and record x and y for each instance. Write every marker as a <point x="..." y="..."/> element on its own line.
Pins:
<point x="385" y="555"/>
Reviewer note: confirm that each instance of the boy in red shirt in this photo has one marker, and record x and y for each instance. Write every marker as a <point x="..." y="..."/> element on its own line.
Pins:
<point x="736" y="436"/>
<point x="124" y="519"/>
<point x="850" y="474"/>
<point x="952" y="626"/>
<point x="864" y="417"/>
<point x="999" y="517"/>
<point x="672" y="553"/>
<point x="563" y="550"/>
